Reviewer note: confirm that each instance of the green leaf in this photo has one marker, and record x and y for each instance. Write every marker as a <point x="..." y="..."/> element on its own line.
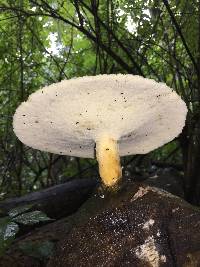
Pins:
<point x="8" y="230"/>
<point x="18" y="210"/>
<point x="39" y="250"/>
<point x="32" y="217"/>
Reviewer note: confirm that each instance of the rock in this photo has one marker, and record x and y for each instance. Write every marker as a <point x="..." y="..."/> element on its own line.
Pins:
<point x="167" y="179"/>
<point x="137" y="226"/>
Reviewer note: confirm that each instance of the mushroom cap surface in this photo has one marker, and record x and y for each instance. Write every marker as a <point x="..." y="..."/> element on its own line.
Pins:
<point x="70" y="116"/>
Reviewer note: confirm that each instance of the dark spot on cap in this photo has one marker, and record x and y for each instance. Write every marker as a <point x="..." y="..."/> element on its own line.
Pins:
<point x="88" y="129"/>
<point x="80" y="146"/>
<point x="115" y="100"/>
<point x="122" y="118"/>
<point x="77" y="122"/>
<point x="24" y="123"/>
<point x="122" y="93"/>
<point x="24" y="115"/>
<point x="80" y="114"/>
<point x="107" y="148"/>
<point x="88" y="93"/>
<point x="36" y="121"/>
<point x="42" y="92"/>
<point x="70" y="151"/>
<point x="51" y="121"/>
<point x="86" y="111"/>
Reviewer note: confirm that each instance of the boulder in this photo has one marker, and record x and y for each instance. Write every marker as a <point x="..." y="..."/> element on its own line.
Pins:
<point x="137" y="225"/>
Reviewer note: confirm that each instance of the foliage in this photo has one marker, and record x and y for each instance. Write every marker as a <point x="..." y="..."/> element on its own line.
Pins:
<point x="9" y="225"/>
<point x="156" y="39"/>
<point x="8" y="230"/>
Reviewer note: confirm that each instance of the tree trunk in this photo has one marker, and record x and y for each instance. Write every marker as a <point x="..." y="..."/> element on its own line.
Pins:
<point x="56" y="201"/>
<point x="190" y="143"/>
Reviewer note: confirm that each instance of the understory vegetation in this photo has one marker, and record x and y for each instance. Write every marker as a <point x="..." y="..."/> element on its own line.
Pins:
<point x="43" y="42"/>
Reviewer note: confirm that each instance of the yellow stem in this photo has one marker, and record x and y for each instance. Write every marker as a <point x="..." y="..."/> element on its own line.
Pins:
<point x="109" y="162"/>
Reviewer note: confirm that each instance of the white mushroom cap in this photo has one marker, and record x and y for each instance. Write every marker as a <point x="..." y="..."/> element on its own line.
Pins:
<point x="69" y="117"/>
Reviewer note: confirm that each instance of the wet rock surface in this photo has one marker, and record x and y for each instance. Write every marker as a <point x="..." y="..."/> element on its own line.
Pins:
<point x="137" y="226"/>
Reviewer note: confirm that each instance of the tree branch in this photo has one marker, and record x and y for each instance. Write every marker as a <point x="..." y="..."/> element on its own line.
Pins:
<point x="180" y="34"/>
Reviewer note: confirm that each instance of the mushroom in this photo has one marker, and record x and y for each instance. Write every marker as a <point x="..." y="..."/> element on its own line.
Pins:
<point x="114" y="115"/>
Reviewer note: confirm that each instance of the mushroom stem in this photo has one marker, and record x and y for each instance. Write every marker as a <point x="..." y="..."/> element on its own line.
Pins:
<point x="107" y="155"/>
